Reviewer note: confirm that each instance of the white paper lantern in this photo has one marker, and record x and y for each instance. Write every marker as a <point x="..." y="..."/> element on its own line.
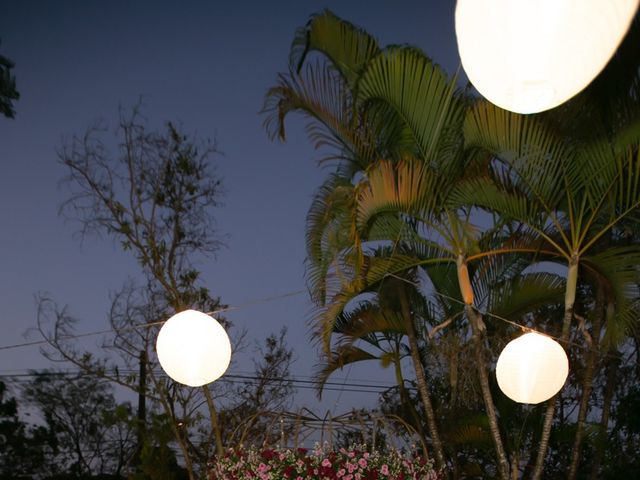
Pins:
<point x="532" y="368"/>
<point x="532" y="55"/>
<point x="193" y="348"/>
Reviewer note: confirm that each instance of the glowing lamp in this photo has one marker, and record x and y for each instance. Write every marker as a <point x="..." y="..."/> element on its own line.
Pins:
<point x="532" y="55"/>
<point x="193" y="348"/>
<point x="532" y="368"/>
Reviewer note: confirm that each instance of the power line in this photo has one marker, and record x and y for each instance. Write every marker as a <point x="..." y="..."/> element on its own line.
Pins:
<point x="273" y="298"/>
<point x="232" y="378"/>
<point x="341" y="388"/>
<point x="10" y="372"/>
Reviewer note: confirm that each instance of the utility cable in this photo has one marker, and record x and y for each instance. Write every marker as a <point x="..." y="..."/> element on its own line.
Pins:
<point x="235" y="377"/>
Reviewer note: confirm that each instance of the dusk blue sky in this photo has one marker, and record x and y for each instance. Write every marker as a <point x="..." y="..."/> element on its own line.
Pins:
<point x="206" y="65"/>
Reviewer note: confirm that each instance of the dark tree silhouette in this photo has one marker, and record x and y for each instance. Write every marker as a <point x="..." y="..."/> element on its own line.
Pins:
<point x="8" y="91"/>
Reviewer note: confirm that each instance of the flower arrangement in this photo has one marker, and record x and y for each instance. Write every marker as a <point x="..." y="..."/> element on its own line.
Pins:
<point x="321" y="463"/>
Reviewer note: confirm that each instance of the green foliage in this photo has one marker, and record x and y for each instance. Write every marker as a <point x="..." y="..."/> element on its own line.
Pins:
<point x="248" y="420"/>
<point x="8" y="92"/>
<point x="479" y="211"/>
<point x="347" y="47"/>
<point x="157" y="459"/>
<point x="154" y="197"/>
<point x="92" y="433"/>
<point x="24" y="449"/>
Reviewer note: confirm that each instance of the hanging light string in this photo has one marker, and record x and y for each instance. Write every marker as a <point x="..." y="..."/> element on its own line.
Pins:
<point x="152" y="324"/>
<point x="498" y="317"/>
<point x="279" y="297"/>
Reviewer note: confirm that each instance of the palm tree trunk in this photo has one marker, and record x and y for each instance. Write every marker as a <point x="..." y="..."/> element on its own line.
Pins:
<point x="477" y="328"/>
<point x="587" y="384"/>
<point x="569" y="300"/>
<point x="613" y="362"/>
<point x="481" y="363"/>
<point x="515" y="462"/>
<point x="406" y="401"/>
<point x="421" y="379"/>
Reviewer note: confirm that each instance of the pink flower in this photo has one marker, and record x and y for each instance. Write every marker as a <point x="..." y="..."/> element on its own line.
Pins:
<point x="283" y="464"/>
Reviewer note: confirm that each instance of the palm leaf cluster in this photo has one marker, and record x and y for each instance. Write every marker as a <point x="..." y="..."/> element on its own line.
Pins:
<point x="445" y="221"/>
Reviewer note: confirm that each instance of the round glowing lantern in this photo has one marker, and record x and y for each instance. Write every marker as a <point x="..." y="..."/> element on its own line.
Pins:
<point x="193" y="348"/>
<point x="532" y="368"/>
<point x="532" y="55"/>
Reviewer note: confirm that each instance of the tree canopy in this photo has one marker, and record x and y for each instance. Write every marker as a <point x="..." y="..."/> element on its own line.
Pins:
<point x="8" y="92"/>
<point x="479" y="212"/>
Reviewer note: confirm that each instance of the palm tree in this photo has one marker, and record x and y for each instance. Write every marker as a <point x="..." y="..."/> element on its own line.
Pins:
<point x="406" y="178"/>
<point x="374" y="330"/>
<point x="325" y="92"/>
<point x="404" y="110"/>
<point x="569" y="197"/>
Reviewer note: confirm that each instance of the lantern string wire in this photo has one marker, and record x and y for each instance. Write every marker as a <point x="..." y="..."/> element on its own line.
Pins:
<point x="150" y="324"/>
<point x="279" y="297"/>
<point x="524" y="328"/>
<point x="256" y="302"/>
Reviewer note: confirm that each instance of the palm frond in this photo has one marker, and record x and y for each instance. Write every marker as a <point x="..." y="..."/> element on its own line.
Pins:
<point x="346" y="46"/>
<point x="419" y="92"/>
<point x="365" y="321"/>
<point x="617" y="271"/>
<point x="487" y="193"/>
<point x="328" y="232"/>
<point x="468" y="434"/>
<point x="374" y="270"/>
<point x="623" y="324"/>
<point x="534" y="153"/>
<point x="407" y="187"/>
<point x="338" y="359"/>
<point x="324" y="99"/>
<point x="524" y="294"/>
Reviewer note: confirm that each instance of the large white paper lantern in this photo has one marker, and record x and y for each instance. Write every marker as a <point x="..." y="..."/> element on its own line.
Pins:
<point x="532" y="55"/>
<point x="532" y="368"/>
<point x="193" y="348"/>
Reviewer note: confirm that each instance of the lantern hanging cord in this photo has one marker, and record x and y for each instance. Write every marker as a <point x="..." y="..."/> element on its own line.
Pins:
<point x="152" y="324"/>
<point x="497" y="317"/>
<point x="253" y="302"/>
